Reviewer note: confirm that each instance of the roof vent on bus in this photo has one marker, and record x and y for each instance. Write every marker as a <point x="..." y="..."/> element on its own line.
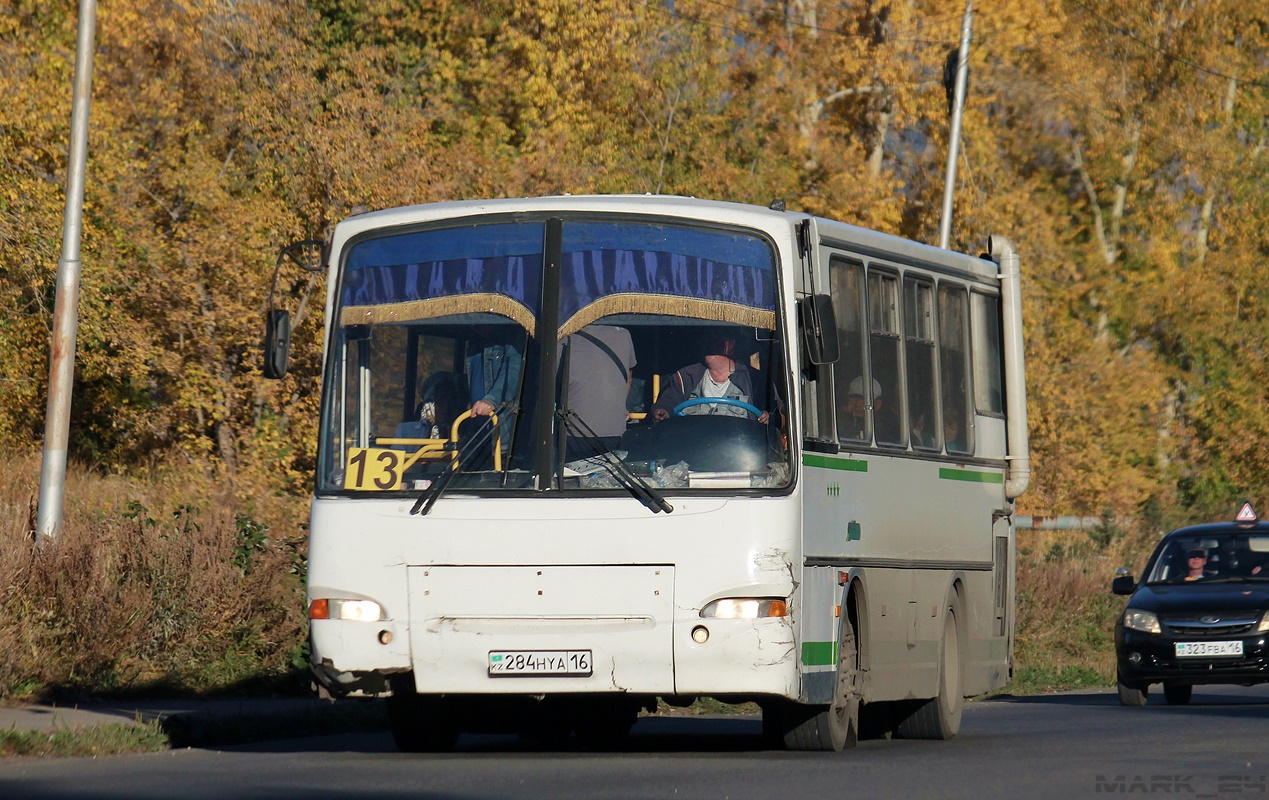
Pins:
<point x="777" y="205"/>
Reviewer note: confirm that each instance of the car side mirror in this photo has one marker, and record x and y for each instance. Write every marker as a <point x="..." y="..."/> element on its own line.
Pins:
<point x="1123" y="582"/>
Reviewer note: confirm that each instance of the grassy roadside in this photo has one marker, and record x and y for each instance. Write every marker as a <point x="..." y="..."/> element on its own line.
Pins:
<point x="163" y="585"/>
<point x="1065" y="611"/>
<point x="99" y="740"/>
<point x="194" y="730"/>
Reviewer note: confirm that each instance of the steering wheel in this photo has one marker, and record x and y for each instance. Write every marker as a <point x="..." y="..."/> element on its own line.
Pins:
<point x="681" y="409"/>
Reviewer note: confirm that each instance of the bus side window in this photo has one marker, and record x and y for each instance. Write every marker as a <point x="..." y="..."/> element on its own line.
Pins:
<point x="884" y="338"/>
<point x="918" y="324"/>
<point x="847" y="287"/>
<point x="988" y="383"/>
<point x="953" y="368"/>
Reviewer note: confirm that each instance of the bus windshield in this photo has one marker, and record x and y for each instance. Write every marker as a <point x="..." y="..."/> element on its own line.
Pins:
<point x="563" y="353"/>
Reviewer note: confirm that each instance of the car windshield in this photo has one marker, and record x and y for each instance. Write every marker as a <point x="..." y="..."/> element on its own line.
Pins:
<point x="1212" y="557"/>
<point x="451" y="342"/>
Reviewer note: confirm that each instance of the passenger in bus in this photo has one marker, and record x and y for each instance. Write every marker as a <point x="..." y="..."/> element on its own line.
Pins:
<point x="952" y="429"/>
<point x="852" y="423"/>
<point x="923" y="431"/>
<point x="600" y="363"/>
<point x="494" y="374"/>
<point x="720" y="375"/>
<point x="442" y="396"/>
<point x="852" y="417"/>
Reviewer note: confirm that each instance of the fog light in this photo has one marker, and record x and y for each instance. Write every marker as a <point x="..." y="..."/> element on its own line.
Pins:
<point x="1134" y="657"/>
<point x="385" y="637"/>
<point x="700" y="634"/>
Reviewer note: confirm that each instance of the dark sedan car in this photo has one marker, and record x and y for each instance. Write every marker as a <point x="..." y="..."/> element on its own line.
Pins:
<point x="1200" y="614"/>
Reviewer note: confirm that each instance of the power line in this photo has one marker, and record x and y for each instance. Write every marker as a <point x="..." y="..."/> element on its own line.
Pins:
<point x="1123" y="31"/>
<point x="1176" y="145"/>
<point x="674" y="13"/>
<point x="934" y="23"/>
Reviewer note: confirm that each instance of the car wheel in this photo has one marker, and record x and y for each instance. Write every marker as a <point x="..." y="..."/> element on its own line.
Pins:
<point x="1132" y="696"/>
<point x="1177" y="694"/>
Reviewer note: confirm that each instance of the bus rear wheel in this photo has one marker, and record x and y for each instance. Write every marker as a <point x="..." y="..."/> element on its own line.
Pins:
<point x="825" y="728"/>
<point x="940" y="717"/>
<point x="421" y="724"/>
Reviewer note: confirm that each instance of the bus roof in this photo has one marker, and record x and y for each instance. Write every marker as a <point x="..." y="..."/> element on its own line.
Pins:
<point x="754" y="216"/>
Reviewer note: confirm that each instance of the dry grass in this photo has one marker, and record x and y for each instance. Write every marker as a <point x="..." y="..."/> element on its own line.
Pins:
<point x="161" y="582"/>
<point x="166" y="583"/>
<point x="1066" y="613"/>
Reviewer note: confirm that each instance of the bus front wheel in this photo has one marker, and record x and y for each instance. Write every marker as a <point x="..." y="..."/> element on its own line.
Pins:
<point x="421" y="724"/>
<point x="831" y="728"/>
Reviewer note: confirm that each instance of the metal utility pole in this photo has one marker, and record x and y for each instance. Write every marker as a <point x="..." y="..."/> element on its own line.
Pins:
<point x="66" y="311"/>
<point x="954" y="139"/>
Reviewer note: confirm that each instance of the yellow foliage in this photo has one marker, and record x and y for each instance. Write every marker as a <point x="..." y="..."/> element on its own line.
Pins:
<point x="1128" y="168"/>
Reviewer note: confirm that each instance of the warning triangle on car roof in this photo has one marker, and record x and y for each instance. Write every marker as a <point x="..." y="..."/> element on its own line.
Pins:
<point x="1246" y="514"/>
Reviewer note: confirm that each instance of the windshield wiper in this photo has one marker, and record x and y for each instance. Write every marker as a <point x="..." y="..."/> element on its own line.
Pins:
<point x="429" y="496"/>
<point x="602" y="455"/>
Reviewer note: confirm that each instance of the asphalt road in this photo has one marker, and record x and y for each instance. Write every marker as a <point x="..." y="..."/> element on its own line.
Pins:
<point x="1057" y="746"/>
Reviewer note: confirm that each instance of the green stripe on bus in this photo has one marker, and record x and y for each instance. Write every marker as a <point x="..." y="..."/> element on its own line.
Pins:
<point x="815" y="654"/>
<point x="971" y="476"/>
<point x="849" y="464"/>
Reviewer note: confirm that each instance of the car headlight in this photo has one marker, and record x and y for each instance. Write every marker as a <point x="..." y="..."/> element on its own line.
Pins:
<point x="1144" y="621"/>
<point x="746" y="608"/>
<point x="1263" y="627"/>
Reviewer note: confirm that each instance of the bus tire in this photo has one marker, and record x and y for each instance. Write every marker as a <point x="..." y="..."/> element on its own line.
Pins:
<point x="604" y="724"/>
<point x="421" y="724"/>
<point x="877" y="720"/>
<point x="833" y="727"/>
<point x="940" y="716"/>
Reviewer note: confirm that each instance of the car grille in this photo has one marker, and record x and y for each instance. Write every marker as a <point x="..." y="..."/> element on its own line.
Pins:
<point x="1193" y="625"/>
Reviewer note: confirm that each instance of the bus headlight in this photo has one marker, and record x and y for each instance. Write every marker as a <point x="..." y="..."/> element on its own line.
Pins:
<point x="355" y="610"/>
<point x="1144" y="621"/>
<point x="746" y="608"/>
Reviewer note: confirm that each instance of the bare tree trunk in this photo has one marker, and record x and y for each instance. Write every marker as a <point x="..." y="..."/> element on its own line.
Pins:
<point x="1213" y="186"/>
<point x="1104" y="246"/>
<point x="1121" y="186"/>
<point x="878" y="153"/>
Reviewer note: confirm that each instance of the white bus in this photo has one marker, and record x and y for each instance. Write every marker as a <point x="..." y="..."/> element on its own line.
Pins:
<point x="830" y="538"/>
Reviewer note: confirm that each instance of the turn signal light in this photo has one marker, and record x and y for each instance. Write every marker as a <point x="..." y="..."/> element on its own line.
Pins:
<point x="319" y="609"/>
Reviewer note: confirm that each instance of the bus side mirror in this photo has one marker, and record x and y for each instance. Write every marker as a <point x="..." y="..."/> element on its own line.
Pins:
<point x="277" y="343"/>
<point x="819" y="329"/>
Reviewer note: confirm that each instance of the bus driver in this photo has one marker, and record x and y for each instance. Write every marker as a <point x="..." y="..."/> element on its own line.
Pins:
<point x="721" y="375"/>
